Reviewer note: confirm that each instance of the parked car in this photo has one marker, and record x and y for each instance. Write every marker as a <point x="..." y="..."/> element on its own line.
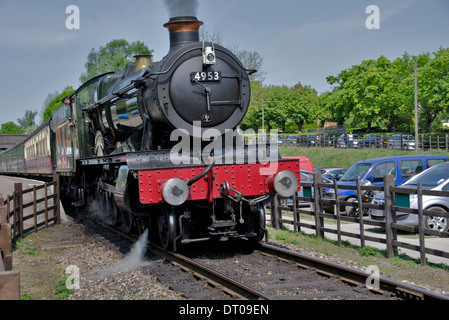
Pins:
<point x="374" y="142"/>
<point x="307" y="176"/>
<point x="372" y="171"/>
<point x="307" y="140"/>
<point x="326" y="170"/>
<point x="343" y="141"/>
<point x="331" y="173"/>
<point x="325" y="141"/>
<point x="403" y="141"/>
<point x="335" y="174"/>
<point x="292" y="140"/>
<point x="281" y="140"/>
<point x="435" y="178"/>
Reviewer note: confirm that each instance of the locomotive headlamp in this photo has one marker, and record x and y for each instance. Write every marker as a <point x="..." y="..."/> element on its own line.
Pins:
<point x="208" y="54"/>
<point x="285" y="183"/>
<point x="175" y="192"/>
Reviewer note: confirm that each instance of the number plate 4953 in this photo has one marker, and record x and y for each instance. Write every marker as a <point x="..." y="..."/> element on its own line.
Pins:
<point x="204" y="76"/>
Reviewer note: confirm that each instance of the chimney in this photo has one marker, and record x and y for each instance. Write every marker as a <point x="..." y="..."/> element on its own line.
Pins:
<point x="183" y="30"/>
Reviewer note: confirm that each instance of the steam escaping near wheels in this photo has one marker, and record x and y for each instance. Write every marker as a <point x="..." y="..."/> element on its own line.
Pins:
<point x="134" y="259"/>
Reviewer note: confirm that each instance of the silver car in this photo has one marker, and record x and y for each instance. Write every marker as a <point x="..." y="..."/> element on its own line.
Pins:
<point x="403" y="141"/>
<point x="434" y="178"/>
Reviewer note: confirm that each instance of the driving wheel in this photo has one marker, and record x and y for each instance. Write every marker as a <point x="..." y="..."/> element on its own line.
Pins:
<point x="167" y="227"/>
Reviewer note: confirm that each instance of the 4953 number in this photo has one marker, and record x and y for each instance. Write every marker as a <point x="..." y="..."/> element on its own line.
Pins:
<point x="203" y="76"/>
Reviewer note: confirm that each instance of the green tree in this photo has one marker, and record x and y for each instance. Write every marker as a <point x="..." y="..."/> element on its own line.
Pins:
<point x="54" y="104"/>
<point x="302" y="106"/>
<point x="433" y="88"/>
<point x="11" y="128"/>
<point x="370" y="93"/>
<point x="253" y="117"/>
<point x="112" y="57"/>
<point x="27" y="121"/>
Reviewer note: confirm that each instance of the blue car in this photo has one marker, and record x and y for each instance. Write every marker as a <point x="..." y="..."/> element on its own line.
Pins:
<point x="372" y="171"/>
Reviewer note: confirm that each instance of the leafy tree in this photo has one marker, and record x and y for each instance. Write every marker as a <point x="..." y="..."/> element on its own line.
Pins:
<point x="382" y="92"/>
<point x="11" y="128"/>
<point x="433" y="88"/>
<point x="56" y="103"/>
<point x="253" y="117"/>
<point x="112" y="57"/>
<point x="27" y="122"/>
<point x="302" y="106"/>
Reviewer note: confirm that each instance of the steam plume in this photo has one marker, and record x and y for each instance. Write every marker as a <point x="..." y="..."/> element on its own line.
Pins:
<point x="135" y="259"/>
<point x="177" y="8"/>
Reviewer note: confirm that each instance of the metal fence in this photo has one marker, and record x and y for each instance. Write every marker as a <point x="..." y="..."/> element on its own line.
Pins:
<point x="400" y="142"/>
<point x="336" y="218"/>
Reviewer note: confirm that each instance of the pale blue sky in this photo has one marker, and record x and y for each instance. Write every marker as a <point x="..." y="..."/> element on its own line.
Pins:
<point x="299" y="40"/>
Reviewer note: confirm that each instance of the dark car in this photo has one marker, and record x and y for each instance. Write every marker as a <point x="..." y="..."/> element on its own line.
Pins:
<point x="307" y="140"/>
<point x="374" y="142"/>
<point x="326" y="170"/>
<point x="335" y="174"/>
<point x="292" y="140"/>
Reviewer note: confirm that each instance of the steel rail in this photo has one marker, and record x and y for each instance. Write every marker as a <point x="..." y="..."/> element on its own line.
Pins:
<point x="353" y="275"/>
<point x="238" y="288"/>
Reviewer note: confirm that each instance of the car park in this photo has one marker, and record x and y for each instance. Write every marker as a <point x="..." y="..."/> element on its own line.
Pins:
<point x="435" y="178"/>
<point x="374" y="142"/>
<point x="372" y="171"/>
<point x="402" y="141"/>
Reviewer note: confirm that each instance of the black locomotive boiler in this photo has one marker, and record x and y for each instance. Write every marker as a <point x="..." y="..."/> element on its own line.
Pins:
<point x="157" y="146"/>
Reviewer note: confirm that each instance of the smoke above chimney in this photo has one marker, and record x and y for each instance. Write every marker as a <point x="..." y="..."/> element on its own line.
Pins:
<point x="177" y="8"/>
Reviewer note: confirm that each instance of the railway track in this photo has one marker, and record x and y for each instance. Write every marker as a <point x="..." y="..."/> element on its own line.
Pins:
<point x="268" y="273"/>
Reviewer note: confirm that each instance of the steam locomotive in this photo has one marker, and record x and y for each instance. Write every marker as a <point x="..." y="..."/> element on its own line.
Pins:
<point x="157" y="146"/>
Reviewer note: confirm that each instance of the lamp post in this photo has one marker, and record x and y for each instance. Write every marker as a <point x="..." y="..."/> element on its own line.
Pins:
<point x="416" y="107"/>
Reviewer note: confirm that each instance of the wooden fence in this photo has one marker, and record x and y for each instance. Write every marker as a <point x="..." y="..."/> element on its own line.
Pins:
<point x="390" y="207"/>
<point x="22" y="212"/>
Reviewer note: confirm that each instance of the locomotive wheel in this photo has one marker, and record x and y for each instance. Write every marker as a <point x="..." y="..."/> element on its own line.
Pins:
<point x="127" y="221"/>
<point x="113" y="210"/>
<point x="167" y="227"/>
<point x="261" y="230"/>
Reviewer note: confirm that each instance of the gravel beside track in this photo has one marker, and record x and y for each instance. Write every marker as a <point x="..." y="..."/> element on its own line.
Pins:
<point x="46" y="254"/>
